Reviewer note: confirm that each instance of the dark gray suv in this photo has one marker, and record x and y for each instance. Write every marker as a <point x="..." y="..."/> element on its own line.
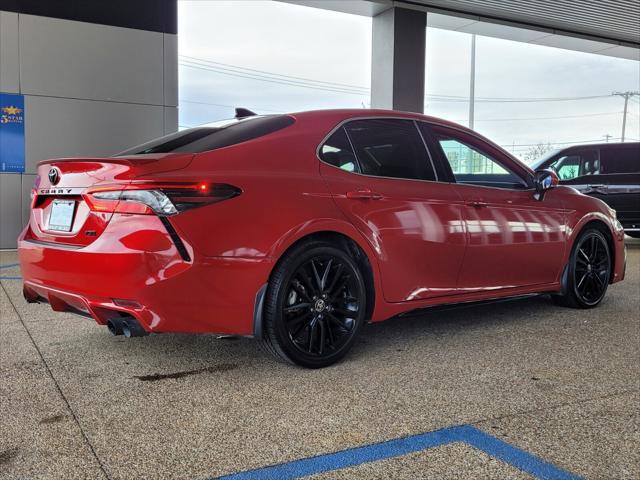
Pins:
<point x="608" y="171"/>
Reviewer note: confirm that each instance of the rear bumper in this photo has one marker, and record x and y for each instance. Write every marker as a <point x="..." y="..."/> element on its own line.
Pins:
<point x="134" y="268"/>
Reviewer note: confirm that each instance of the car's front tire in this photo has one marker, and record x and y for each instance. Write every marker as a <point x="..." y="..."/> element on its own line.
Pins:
<point x="589" y="271"/>
<point x="315" y="305"/>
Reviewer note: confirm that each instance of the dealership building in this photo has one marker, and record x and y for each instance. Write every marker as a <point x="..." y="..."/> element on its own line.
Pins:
<point x="92" y="78"/>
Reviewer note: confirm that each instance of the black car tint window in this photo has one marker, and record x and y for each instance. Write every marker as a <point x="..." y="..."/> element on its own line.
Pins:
<point x="620" y="160"/>
<point x="337" y="151"/>
<point x="202" y="139"/>
<point x="390" y="148"/>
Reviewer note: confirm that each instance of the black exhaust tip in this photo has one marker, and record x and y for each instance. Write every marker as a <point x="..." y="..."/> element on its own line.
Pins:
<point x="115" y="326"/>
<point x="132" y="328"/>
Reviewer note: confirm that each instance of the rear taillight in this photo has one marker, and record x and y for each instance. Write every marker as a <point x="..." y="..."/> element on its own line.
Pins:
<point x="163" y="200"/>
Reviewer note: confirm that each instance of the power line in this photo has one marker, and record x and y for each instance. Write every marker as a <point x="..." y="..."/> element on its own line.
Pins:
<point x="272" y="77"/>
<point x="199" y="67"/>
<point x="236" y="67"/>
<point x="279" y="76"/>
<point x="540" y="118"/>
<point x="436" y="98"/>
<point x="597" y="140"/>
<point x="455" y="120"/>
<point x="223" y="105"/>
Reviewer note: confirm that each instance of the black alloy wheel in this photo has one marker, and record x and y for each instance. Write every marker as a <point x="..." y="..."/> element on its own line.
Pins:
<point x="589" y="271"/>
<point x="592" y="268"/>
<point x="315" y="305"/>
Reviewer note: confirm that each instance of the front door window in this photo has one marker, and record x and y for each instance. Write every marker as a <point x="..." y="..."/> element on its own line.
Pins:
<point x="470" y="166"/>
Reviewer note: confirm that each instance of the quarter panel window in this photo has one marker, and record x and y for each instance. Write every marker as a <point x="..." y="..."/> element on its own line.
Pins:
<point x="390" y="148"/>
<point x="337" y="151"/>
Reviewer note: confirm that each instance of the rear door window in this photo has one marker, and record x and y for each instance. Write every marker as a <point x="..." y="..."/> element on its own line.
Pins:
<point x="620" y="160"/>
<point x="390" y="148"/>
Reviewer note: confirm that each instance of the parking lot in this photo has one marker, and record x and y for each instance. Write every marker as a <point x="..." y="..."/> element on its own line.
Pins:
<point x="521" y="389"/>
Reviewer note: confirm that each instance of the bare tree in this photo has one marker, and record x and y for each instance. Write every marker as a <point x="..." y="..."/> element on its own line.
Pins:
<point x="536" y="152"/>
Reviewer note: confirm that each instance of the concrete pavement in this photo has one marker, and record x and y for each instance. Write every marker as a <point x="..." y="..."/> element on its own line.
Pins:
<point x="560" y="384"/>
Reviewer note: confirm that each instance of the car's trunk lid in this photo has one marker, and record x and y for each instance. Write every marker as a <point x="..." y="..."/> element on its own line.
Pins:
<point x="60" y="213"/>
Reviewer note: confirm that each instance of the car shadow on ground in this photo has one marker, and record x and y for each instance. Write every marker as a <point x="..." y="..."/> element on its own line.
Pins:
<point x="380" y="338"/>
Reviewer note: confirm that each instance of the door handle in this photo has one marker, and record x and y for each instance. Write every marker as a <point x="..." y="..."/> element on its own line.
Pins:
<point x="477" y="204"/>
<point x="364" y="194"/>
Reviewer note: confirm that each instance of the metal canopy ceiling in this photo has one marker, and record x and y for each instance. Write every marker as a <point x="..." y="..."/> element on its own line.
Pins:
<point x="609" y="20"/>
<point x="615" y="22"/>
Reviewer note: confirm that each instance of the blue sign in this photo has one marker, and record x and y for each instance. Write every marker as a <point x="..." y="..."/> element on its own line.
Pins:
<point x="11" y="133"/>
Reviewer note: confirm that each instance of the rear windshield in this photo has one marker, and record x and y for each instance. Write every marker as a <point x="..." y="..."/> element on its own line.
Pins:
<point x="210" y="137"/>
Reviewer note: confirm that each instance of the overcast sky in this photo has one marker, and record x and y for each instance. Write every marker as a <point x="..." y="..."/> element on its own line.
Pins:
<point x="230" y="50"/>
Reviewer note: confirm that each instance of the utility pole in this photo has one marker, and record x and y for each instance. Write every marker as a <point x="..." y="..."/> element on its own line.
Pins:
<point x="472" y="82"/>
<point x="626" y="96"/>
<point x="607" y="137"/>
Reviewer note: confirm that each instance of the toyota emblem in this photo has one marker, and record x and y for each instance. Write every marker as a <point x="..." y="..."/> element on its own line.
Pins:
<point x="54" y="177"/>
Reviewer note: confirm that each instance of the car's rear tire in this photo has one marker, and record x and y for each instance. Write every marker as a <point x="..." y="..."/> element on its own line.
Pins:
<point x="314" y="306"/>
<point x="633" y="234"/>
<point x="589" y="271"/>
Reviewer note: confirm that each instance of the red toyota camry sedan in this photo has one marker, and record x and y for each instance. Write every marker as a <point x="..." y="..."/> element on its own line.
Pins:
<point x="297" y="229"/>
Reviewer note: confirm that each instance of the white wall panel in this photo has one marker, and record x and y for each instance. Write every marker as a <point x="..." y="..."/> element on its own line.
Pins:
<point x="65" y="58"/>
<point x="10" y="209"/>
<point x="170" y="69"/>
<point x="170" y="119"/>
<point x="9" y="56"/>
<point x="60" y="127"/>
<point x="90" y="90"/>
<point x="27" y="185"/>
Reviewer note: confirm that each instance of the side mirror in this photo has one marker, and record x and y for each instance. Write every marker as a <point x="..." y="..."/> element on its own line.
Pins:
<point x="543" y="181"/>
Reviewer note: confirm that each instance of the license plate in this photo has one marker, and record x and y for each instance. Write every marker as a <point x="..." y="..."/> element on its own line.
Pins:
<point x="61" y="217"/>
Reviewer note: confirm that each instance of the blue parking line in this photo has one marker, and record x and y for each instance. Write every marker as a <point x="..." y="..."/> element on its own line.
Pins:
<point x="9" y="265"/>
<point x="516" y="457"/>
<point x="492" y="446"/>
<point x="10" y="278"/>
